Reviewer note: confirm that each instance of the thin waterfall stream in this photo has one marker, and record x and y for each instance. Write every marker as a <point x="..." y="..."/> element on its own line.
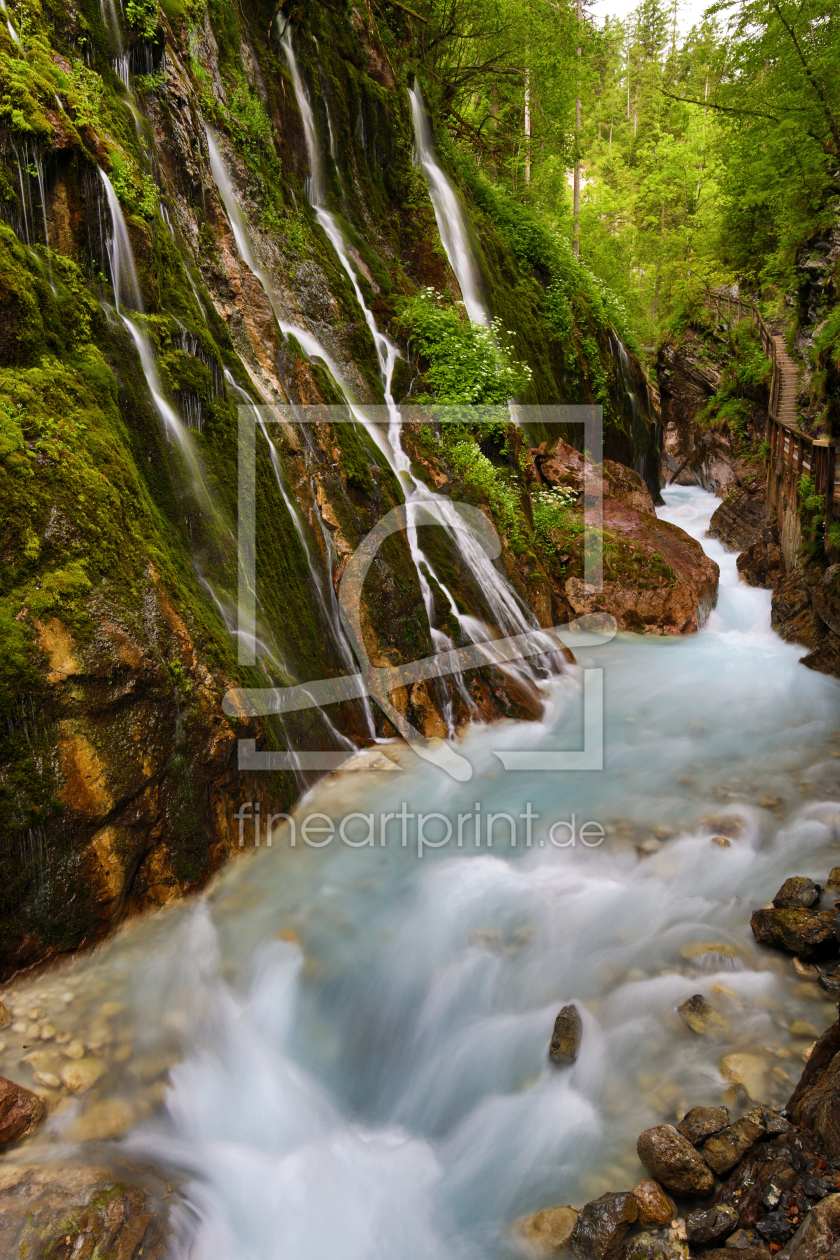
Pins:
<point x="344" y="1047"/>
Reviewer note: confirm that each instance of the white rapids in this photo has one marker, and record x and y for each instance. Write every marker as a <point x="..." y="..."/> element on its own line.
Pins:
<point x="357" y="1037"/>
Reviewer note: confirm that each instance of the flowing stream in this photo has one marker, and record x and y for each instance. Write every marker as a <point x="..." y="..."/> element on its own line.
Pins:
<point x="343" y="1050"/>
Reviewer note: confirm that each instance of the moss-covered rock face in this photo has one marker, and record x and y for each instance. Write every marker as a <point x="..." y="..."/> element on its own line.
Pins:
<point x="119" y="779"/>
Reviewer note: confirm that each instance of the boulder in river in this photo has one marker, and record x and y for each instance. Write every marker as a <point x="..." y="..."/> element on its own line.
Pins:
<point x="602" y="1224"/>
<point x="20" y="1111"/>
<point x="655" y="1208"/>
<point x="78" y="1211"/>
<point x="708" y="1225"/>
<point x="673" y="1162"/>
<point x="702" y="1018"/>
<point x="548" y="1232"/>
<point x="815" y="1103"/>
<point x="808" y="933"/>
<point x="797" y="893"/>
<point x="565" y="1040"/>
<point x="701" y="1122"/>
<point x="727" y="1148"/>
<point x="833" y="880"/>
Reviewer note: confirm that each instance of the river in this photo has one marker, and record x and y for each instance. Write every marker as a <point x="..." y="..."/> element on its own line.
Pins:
<point x="343" y="1050"/>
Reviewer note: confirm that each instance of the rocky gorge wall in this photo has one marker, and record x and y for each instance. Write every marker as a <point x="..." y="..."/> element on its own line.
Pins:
<point x="119" y="398"/>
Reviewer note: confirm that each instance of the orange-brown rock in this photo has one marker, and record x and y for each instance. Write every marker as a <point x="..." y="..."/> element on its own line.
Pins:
<point x="20" y="1111"/>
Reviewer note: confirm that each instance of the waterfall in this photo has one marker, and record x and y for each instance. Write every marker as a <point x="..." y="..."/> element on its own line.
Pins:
<point x="507" y="610"/>
<point x="120" y="256"/>
<point x="451" y="223"/>
<point x="12" y="30"/>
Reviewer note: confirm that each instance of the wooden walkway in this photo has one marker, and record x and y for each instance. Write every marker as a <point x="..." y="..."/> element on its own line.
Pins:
<point x="792" y="451"/>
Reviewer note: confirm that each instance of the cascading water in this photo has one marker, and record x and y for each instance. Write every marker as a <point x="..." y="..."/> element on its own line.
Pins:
<point x="359" y="1034"/>
<point x="506" y="609"/>
<point x="451" y="222"/>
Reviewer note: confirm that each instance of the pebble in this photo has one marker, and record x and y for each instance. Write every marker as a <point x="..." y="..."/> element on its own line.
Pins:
<point x="801" y="1028"/>
<point x="722" y="842"/>
<point x="75" y="1050"/>
<point x="47" y="1032"/>
<point x="5" y="1016"/>
<point x="19" y="1026"/>
<point x="81" y="1075"/>
<point x="49" y="1079"/>
<point x="747" y="1070"/>
<point x="702" y="1018"/>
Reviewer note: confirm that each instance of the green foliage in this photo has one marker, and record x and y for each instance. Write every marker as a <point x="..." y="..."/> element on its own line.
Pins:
<point x="557" y="523"/>
<point x="467" y="362"/>
<point x="136" y="190"/>
<point x="142" y="17"/>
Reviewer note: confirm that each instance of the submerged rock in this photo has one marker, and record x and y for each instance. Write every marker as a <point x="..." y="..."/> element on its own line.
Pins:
<point x="80" y="1212"/>
<point x="701" y="1122"/>
<point x="20" y="1111"/>
<point x="602" y="1224"/>
<point x="808" y="933"/>
<point x="548" y="1232"/>
<point x="797" y="893"/>
<point x="702" y="1018"/>
<point x="748" y="1070"/>
<point x="655" y="1208"/>
<point x="673" y="1162"/>
<point x="565" y="1040"/>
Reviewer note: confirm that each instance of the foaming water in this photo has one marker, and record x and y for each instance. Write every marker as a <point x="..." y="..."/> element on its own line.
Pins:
<point x="356" y="1038"/>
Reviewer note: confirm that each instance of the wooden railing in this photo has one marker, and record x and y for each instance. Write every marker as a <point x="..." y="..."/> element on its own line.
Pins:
<point x="792" y="451"/>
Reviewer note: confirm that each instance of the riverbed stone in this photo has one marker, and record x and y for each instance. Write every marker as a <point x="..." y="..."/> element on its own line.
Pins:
<point x="655" y="1208"/>
<point x="565" y="1041"/>
<point x="808" y="933"/>
<point x="818" y="1235"/>
<point x="21" y="1111"/>
<point x="673" y="1162"/>
<point x="750" y="1071"/>
<point x="833" y="880"/>
<point x="80" y="1075"/>
<point x="548" y="1232"/>
<point x="5" y="1016"/>
<point x="701" y="1122"/>
<point x="702" y="1018"/>
<point x="602" y="1224"/>
<point x="708" y="1225"/>
<point x="797" y="893"/>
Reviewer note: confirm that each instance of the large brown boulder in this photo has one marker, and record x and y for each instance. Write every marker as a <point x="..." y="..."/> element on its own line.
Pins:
<point x="20" y="1111"/>
<point x="739" y="520"/>
<point x="806" y="610"/>
<point x="85" y="1212"/>
<point x="815" y="1103"/>
<point x="808" y="933"/>
<point x="673" y="1162"/>
<point x="818" y="1237"/>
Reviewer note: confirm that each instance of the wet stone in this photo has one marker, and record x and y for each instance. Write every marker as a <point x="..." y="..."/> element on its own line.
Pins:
<point x="20" y="1111"/>
<point x="5" y="1016"/>
<point x="602" y="1225"/>
<point x="701" y="1122"/>
<point x="702" y="1018"/>
<point x="797" y="893"/>
<point x="727" y="1148"/>
<point x="808" y="933"/>
<point x="775" y="1227"/>
<point x="660" y="1244"/>
<point x="565" y="1041"/>
<point x="673" y="1162"/>
<point x="708" y="1225"/>
<point x="655" y="1208"/>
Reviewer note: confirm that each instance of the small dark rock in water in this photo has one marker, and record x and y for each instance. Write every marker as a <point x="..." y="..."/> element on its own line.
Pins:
<point x="772" y="1121"/>
<point x="673" y="1162"/>
<point x="602" y="1224"/>
<point x="830" y="980"/>
<point x="816" y="1187"/>
<point x="702" y="1018"/>
<point x="808" y="933"/>
<point x="727" y="1148"/>
<point x="775" y="1227"/>
<point x="757" y="1252"/>
<point x="743" y="1240"/>
<point x="797" y="893"/>
<point x="709" y="1225"/>
<point x="565" y="1041"/>
<point x="701" y="1122"/>
<point x="819" y="1233"/>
